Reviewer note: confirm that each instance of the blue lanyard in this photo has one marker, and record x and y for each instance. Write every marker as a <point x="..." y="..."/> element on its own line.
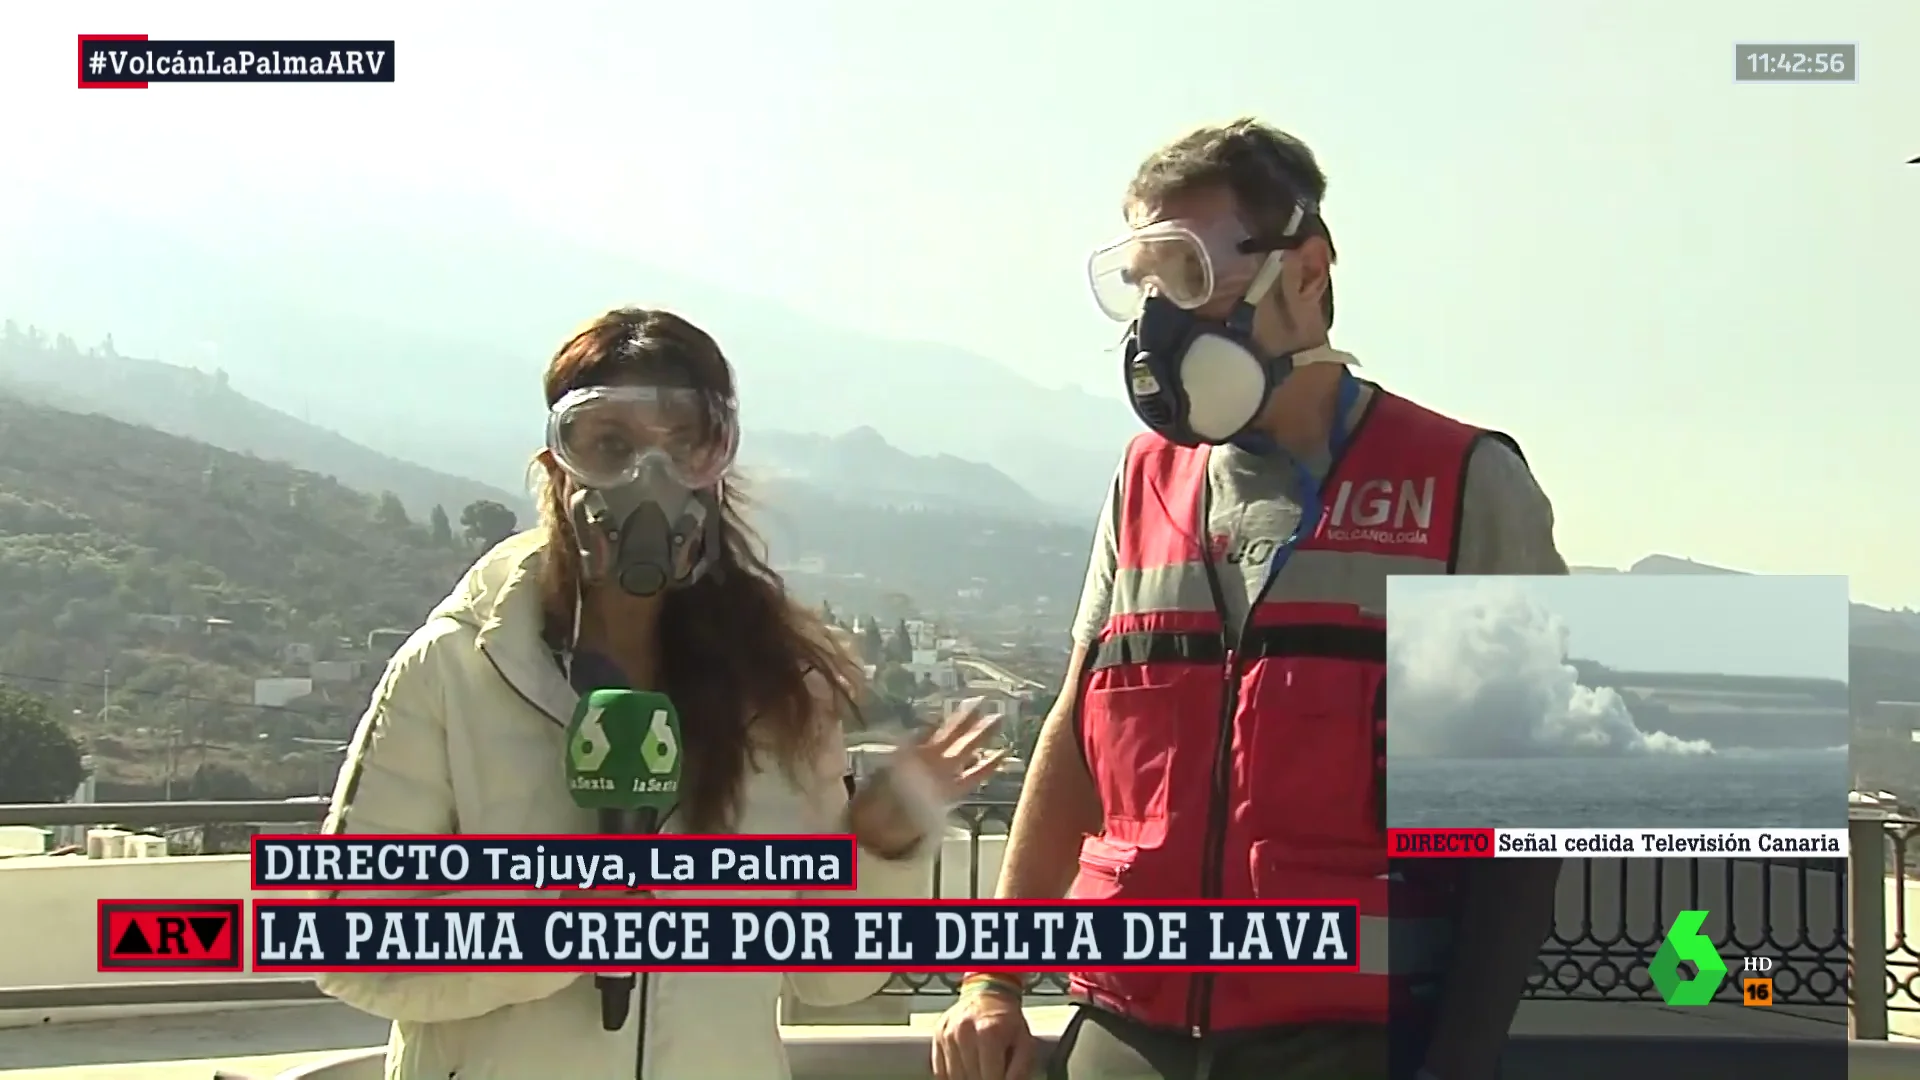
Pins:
<point x="1312" y="503"/>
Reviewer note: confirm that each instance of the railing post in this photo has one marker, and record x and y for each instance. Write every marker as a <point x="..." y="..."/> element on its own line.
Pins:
<point x="1867" y="927"/>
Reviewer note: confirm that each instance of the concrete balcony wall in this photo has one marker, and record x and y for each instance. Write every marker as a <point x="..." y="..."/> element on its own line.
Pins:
<point x="48" y="911"/>
<point x="831" y="1056"/>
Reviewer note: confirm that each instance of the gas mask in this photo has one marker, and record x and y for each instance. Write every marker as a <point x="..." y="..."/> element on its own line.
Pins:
<point x="650" y="464"/>
<point x="1197" y="381"/>
<point x="647" y="536"/>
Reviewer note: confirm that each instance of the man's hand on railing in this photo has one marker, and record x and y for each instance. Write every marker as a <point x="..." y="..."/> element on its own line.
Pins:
<point x="985" y="1035"/>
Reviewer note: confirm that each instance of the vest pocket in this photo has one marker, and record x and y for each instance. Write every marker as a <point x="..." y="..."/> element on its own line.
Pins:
<point x="1102" y="865"/>
<point x="1278" y="871"/>
<point x="1114" y="869"/>
<point x="1312" y="772"/>
<point x="1129" y="734"/>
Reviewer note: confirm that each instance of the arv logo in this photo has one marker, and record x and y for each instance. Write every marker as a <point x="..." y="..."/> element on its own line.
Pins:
<point x="1382" y="511"/>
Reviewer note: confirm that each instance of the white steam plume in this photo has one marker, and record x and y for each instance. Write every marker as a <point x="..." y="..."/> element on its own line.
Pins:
<point x="1481" y="672"/>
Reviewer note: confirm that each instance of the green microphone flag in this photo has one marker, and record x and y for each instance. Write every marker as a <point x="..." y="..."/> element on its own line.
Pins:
<point x="623" y="751"/>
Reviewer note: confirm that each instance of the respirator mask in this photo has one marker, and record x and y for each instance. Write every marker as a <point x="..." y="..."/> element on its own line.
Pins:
<point x="649" y="463"/>
<point x="1193" y="380"/>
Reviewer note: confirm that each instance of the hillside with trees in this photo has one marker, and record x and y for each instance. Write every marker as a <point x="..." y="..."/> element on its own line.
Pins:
<point x="53" y="369"/>
<point x="975" y="563"/>
<point x="150" y="580"/>
<point x="149" y="583"/>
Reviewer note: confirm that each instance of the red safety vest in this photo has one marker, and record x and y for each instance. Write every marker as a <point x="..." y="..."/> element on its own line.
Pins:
<point x="1259" y="771"/>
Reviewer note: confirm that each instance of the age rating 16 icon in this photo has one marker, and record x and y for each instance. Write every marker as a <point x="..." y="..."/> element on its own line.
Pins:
<point x="1756" y="982"/>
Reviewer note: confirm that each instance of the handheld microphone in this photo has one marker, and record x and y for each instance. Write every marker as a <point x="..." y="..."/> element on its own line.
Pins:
<point x="623" y="761"/>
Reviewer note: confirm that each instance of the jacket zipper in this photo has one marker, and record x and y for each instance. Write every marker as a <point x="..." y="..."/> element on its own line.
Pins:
<point x="640" y="1036"/>
<point x="519" y="693"/>
<point x="1213" y="866"/>
<point x="1213" y="858"/>
<point x="1213" y="855"/>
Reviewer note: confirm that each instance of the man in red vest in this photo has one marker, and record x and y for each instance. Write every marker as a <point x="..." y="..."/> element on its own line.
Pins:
<point x="1222" y="728"/>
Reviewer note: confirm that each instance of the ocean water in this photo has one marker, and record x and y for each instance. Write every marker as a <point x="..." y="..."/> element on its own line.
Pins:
<point x="1729" y="789"/>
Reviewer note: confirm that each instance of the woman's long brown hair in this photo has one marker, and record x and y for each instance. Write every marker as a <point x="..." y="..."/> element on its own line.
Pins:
<point x="737" y="650"/>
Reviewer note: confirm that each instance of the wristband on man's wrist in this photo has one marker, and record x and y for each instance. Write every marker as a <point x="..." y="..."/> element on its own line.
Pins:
<point x="997" y="983"/>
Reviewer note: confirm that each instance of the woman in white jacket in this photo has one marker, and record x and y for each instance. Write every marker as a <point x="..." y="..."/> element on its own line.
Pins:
<point x="640" y="574"/>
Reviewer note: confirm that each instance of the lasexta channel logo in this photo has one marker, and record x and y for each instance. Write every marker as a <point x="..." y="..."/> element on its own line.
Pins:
<point x="1686" y="943"/>
<point x="171" y="935"/>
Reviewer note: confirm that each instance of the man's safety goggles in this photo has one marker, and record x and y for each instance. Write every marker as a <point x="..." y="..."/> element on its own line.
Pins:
<point x="1187" y="262"/>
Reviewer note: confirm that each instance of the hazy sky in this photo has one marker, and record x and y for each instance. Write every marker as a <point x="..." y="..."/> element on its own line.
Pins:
<point x="1691" y="301"/>
<point x="1709" y="624"/>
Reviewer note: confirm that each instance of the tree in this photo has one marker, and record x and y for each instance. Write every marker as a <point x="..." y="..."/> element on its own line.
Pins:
<point x="1026" y="738"/>
<point x="214" y="782"/>
<point x="897" y="605"/>
<point x="898" y="682"/>
<point x="879" y="709"/>
<point x="900" y="646"/>
<point x="872" y="648"/>
<point x="486" y="522"/>
<point x="439" y="528"/>
<point x="391" y="513"/>
<point x="1026" y="733"/>
<point x="39" y="761"/>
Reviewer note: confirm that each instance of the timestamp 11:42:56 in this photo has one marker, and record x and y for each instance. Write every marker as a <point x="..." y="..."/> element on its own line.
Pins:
<point x="1826" y="63"/>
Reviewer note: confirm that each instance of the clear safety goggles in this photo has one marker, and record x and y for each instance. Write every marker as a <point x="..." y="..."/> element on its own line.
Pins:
<point x="606" y="436"/>
<point x="1190" y="263"/>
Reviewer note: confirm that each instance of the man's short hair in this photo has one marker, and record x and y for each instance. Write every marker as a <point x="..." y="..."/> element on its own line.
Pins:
<point x="1269" y="172"/>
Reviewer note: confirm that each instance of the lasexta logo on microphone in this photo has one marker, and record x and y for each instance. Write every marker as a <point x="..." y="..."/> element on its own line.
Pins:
<point x="624" y="745"/>
<point x="660" y="752"/>
<point x="589" y="746"/>
<point x="170" y="935"/>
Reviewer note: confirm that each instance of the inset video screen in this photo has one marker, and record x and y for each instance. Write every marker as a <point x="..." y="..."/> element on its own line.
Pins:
<point x="1663" y="762"/>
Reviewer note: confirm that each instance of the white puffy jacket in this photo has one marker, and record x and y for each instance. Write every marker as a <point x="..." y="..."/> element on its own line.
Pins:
<point x="465" y="734"/>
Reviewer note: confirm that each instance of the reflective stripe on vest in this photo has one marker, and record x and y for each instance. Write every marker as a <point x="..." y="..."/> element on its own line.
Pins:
<point x="1292" y="804"/>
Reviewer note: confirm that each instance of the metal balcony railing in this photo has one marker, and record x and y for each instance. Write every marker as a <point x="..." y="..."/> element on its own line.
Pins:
<point x="1600" y="957"/>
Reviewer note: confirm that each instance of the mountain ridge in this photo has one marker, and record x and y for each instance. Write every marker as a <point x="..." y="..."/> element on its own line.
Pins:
<point x="204" y="406"/>
<point x="168" y="575"/>
<point x="863" y="466"/>
<point x="392" y="347"/>
<point x="1894" y="629"/>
